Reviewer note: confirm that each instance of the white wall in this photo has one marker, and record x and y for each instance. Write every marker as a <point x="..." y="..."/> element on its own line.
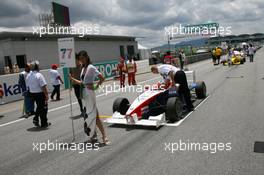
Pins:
<point x="47" y="51"/>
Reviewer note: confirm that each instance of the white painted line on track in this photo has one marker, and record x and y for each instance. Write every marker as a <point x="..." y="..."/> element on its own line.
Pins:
<point x="15" y="121"/>
<point x="64" y="106"/>
<point x="180" y="122"/>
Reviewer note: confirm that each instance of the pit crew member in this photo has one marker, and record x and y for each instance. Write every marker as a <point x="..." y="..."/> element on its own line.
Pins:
<point x="131" y="71"/>
<point x="174" y="75"/>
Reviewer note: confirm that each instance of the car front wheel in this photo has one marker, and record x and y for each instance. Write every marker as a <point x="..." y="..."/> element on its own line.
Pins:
<point x="174" y="109"/>
<point x="121" y="105"/>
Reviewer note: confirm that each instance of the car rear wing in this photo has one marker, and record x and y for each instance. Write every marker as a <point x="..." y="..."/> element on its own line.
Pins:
<point x="191" y="78"/>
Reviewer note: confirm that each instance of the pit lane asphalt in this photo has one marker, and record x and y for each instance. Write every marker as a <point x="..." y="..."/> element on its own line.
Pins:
<point x="233" y="114"/>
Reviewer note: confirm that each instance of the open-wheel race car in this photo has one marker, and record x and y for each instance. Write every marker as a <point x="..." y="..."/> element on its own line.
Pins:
<point x="238" y="57"/>
<point x="166" y="105"/>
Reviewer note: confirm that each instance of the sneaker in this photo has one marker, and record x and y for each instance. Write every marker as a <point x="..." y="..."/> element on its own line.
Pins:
<point x="36" y="123"/>
<point x="47" y="125"/>
<point x="30" y="113"/>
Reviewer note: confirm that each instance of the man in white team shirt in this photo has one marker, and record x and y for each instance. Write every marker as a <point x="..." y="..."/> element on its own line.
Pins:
<point x="55" y="81"/>
<point x="172" y="76"/>
<point x="39" y="93"/>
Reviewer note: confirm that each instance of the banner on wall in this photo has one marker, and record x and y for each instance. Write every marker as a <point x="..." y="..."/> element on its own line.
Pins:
<point x="10" y="89"/>
<point x="106" y="68"/>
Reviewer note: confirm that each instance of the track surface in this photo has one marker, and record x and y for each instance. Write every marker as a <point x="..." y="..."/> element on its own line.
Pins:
<point x="232" y="114"/>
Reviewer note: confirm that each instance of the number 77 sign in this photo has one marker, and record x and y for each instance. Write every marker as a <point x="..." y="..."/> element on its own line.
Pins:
<point x="66" y="52"/>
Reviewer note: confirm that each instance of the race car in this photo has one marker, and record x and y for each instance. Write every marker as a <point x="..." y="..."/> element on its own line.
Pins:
<point x="236" y="58"/>
<point x="151" y="99"/>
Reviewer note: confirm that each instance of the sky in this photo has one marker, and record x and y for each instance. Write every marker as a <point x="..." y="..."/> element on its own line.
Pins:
<point x="144" y="19"/>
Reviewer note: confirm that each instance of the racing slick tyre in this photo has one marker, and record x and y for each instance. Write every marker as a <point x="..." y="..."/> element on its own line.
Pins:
<point x="121" y="105"/>
<point x="174" y="109"/>
<point x="200" y="90"/>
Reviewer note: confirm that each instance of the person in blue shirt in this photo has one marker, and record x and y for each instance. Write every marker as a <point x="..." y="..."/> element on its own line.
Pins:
<point x="28" y="103"/>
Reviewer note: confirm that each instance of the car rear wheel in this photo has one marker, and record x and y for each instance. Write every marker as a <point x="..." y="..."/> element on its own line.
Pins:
<point x="121" y="105"/>
<point x="174" y="109"/>
<point x="200" y="90"/>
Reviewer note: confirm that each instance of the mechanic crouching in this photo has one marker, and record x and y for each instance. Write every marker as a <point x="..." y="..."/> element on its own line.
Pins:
<point x="171" y="76"/>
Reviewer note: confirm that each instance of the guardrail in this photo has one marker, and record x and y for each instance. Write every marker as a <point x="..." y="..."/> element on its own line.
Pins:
<point x="190" y="59"/>
<point x="198" y="57"/>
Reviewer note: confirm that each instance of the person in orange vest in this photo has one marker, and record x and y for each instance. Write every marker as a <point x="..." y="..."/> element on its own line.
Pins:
<point x="121" y="68"/>
<point x="131" y="71"/>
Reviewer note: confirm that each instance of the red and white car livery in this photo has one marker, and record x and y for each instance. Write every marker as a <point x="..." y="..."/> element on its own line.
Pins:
<point x="131" y="114"/>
